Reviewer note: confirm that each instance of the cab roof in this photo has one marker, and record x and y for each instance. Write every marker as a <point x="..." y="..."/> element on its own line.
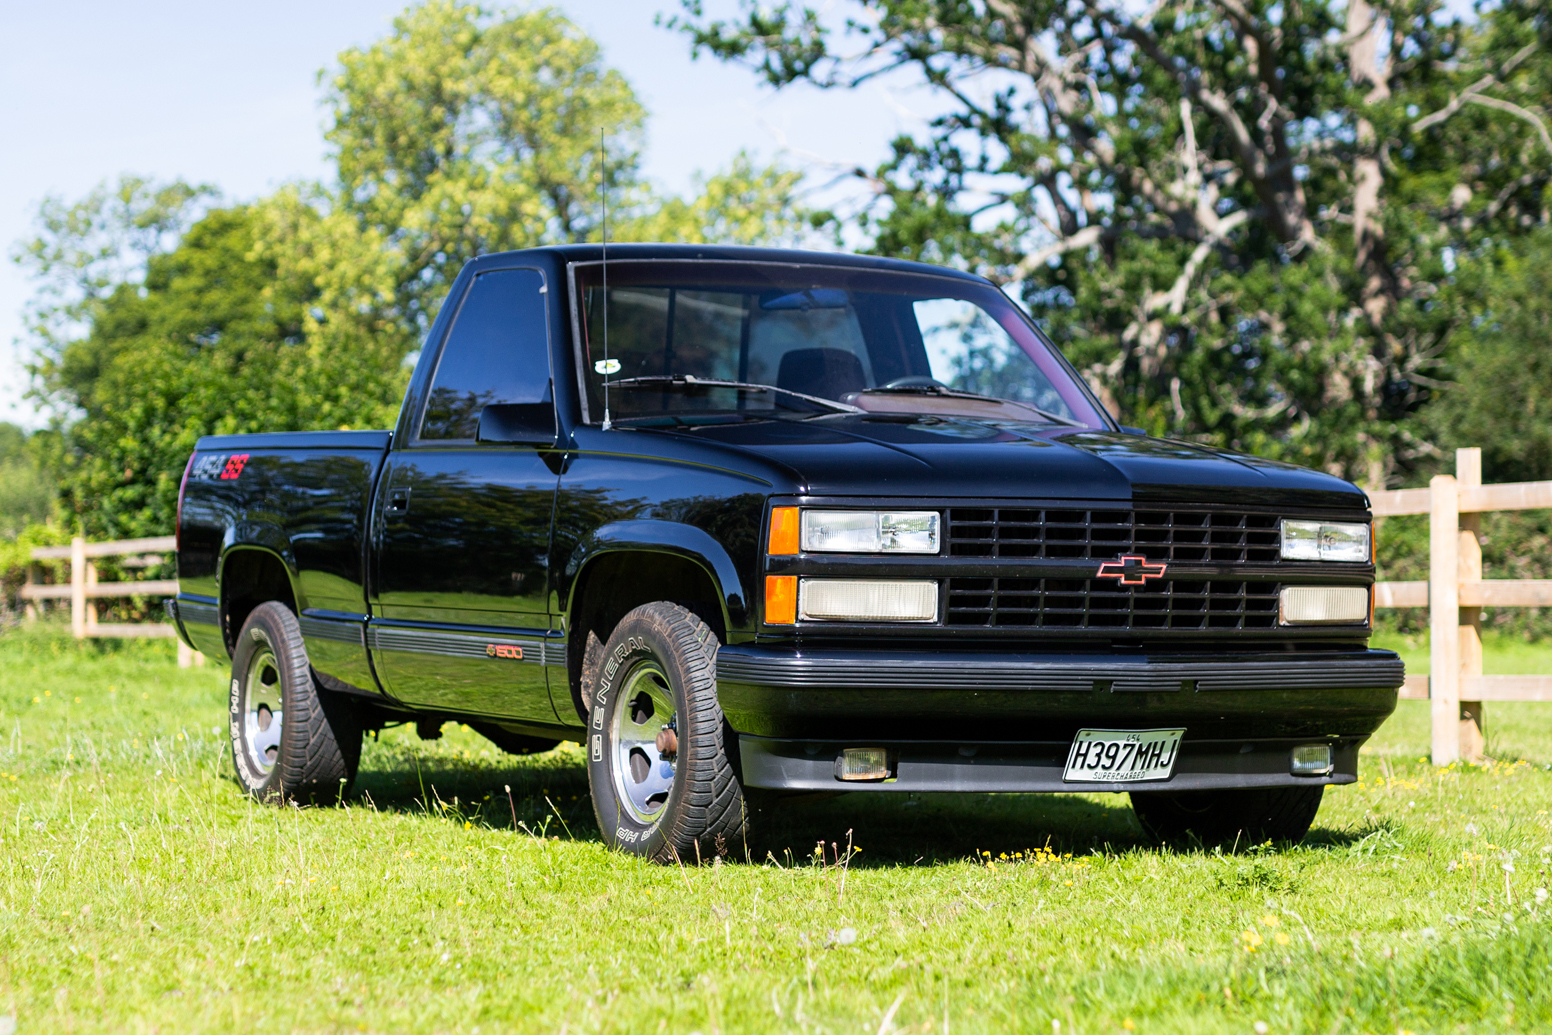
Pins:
<point x="567" y="253"/>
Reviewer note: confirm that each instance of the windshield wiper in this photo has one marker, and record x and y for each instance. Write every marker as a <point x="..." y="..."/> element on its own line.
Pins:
<point x="665" y="381"/>
<point x="954" y="393"/>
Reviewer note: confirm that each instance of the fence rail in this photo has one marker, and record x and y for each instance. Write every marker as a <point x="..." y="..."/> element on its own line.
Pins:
<point x="84" y="587"/>
<point x="1455" y="594"/>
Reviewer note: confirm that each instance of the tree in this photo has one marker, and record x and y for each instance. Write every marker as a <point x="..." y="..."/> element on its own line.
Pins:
<point x="86" y="252"/>
<point x="1500" y="395"/>
<point x="210" y="341"/>
<point x="743" y="204"/>
<point x="1236" y="215"/>
<point x="25" y="493"/>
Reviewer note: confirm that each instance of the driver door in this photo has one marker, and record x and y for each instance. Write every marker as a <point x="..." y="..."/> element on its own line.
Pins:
<point x="462" y="580"/>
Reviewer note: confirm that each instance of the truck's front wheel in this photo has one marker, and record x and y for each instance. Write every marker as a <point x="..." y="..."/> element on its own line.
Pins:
<point x="291" y="739"/>
<point x="1249" y="817"/>
<point x="663" y="785"/>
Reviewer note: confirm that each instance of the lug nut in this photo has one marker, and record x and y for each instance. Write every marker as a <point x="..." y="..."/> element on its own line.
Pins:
<point x="667" y="742"/>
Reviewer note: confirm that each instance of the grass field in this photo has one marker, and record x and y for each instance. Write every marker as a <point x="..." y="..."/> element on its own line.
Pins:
<point x="140" y="892"/>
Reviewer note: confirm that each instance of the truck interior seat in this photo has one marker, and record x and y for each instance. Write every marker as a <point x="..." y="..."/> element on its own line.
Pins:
<point x="827" y="373"/>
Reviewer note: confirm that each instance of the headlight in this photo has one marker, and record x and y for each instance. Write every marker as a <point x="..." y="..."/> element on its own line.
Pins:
<point x="870" y="531"/>
<point x="1325" y="541"/>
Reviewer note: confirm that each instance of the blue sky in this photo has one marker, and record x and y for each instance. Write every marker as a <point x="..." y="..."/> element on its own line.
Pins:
<point x="227" y="94"/>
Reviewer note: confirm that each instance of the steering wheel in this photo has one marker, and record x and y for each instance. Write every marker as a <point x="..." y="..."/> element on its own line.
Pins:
<point x="915" y="382"/>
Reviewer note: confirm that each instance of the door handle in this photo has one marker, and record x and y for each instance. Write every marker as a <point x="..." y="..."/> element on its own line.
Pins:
<point x="398" y="502"/>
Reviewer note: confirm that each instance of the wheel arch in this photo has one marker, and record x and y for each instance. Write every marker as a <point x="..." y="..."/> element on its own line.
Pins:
<point x="250" y="575"/>
<point x="641" y="562"/>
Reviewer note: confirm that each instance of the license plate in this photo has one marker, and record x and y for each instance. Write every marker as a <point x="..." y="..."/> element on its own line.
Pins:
<point x="1122" y="756"/>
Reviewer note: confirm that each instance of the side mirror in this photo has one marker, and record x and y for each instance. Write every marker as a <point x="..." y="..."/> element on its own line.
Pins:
<point x="527" y="424"/>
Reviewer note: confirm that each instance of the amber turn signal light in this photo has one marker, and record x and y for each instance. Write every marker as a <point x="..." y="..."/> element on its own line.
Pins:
<point x="781" y="599"/>
<point x="784" y="532"/>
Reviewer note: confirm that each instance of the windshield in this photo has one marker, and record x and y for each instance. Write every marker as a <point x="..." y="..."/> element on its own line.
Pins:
<point x="873" y="340"/>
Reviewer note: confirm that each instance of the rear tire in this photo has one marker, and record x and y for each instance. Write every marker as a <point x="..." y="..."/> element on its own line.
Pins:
<point x="658" y="677"/>
<point x="1250" y="817"/>
<point x="292" y="740"/>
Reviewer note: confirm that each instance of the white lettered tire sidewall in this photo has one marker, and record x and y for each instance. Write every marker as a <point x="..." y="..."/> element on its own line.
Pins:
<point x="259" y="633"/>
<point x="621" y="829"/>
<point x="318" y="747"/>
<point x="704" y="813"/>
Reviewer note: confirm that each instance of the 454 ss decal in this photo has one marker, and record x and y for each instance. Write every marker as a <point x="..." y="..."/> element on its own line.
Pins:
<point x="219" y="467"/>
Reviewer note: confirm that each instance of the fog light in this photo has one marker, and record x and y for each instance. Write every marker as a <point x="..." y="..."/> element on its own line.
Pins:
<point x="855" y="600"/>
<point x="862" y="764"/>
<point x="1323" y="605"/>
<point x="1311" y="760"/>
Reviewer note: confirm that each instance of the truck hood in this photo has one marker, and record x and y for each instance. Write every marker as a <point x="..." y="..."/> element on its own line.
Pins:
<point x="908" y="455"/>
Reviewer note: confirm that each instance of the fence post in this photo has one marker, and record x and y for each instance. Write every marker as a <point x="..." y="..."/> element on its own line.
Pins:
<point x="1468" y="474"/>
<point x="91" y="602"/>
<point x="32" y="608"/>
<point x="1444" y="617"/>
<point x="78" y="587"/>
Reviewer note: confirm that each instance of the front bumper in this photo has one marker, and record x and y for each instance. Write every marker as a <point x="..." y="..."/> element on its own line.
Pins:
<point x="1033" y="767"/>
<point x="960" y="721"/>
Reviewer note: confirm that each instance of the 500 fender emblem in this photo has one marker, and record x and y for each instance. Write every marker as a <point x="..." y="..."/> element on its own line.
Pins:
<point x="1131" y="569"/>
<point x="503" y="650"/>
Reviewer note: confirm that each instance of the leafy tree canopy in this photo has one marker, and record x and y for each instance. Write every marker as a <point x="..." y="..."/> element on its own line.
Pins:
<point x="25" y="493"/>
<point x="1500" y="395"/>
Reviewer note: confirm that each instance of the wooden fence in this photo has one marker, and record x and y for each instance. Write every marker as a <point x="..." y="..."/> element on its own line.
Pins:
<point x="83" y="588"/>
<point x="1455" y="594"/>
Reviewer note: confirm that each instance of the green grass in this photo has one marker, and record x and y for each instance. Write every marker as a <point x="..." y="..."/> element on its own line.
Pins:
<point x="139" y="891"/>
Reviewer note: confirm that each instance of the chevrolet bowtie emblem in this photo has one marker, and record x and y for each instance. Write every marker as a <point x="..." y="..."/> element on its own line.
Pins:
<point x="1131" y="570"/>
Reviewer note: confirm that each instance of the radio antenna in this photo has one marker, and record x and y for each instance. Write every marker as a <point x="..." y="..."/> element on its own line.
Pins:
<point x="603" y="194"/>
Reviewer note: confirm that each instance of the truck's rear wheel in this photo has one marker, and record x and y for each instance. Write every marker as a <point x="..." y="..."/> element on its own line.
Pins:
<point x="663" y="785"/>
<point x="292" y="740"/>
<point x="1250" y="817"/>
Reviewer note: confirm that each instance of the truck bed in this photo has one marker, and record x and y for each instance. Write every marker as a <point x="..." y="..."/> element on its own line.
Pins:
<point x="303" y="497"/>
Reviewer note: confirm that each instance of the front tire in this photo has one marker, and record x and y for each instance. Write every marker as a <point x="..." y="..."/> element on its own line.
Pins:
<point x="292" y="740"/>
<point x="662" y="782"/>
<point x="1247" y="817"/>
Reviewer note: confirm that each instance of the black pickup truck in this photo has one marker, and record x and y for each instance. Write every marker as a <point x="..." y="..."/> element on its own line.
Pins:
<point x="749" y="521"/>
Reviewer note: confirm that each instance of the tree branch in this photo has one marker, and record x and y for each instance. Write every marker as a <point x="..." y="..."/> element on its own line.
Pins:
<point x="1174" y="300"/>
<point x="1466" y="95"/>
<point x="1518" y="112"/>
<point x="1089" y="235"/>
